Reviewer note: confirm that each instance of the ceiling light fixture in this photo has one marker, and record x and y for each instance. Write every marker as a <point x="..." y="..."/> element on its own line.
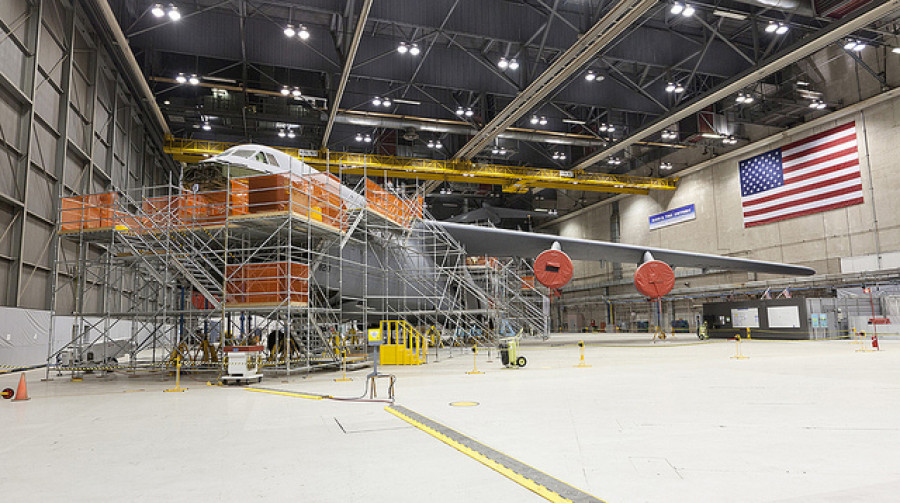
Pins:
<point x="180" y="78"/>
<point x="543" y="121"/>
<point x="503" y="63"/>
<point x="469" y="112"/>
<point x="296" y="92"/>
<point x="174" y="13"/>
<point x="303" y="33"/>
<point x="850" y="44"/>
<point x="688" y="10"/>
<point x="771" y="27"/>
<point x="782" y="29"/>
<point x="513" y="64"/>
<point x="574" y="121"/>
<point x="282" y="134"/>
<point x="679" y="88"/>
<point x="677" y="8"/>
<point x="157" y="11"/>
<point x="291" y="133"/>
<point x="367" y="139"/>
<point x="206" y="126"/>
<point x="896" y="50"/>
<point x="414" y="49"/>
<point x="376" y="101"/>
<point x="359" y="137"/>
<point x="194" y="80"/>
<point x="666" y="166"/>
<point x="729" y="14"/>
<point x="438" y="144"/>
<point x="289" y="31"/>
<point x="285" y="91"/>
<point x="534" y="120"/>
<point x="590" y="76"/>
<point x="670" y="87"/>
<point x="402" y="48"/>
<point x="460" y="111"/>
<point x="386" y="102"/>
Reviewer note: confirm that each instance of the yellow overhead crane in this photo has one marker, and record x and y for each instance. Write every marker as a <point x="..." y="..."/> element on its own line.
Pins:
<point x="511" y="178"/>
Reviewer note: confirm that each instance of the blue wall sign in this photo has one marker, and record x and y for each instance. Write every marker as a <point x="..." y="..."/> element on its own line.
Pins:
<point x="672" y="217"/>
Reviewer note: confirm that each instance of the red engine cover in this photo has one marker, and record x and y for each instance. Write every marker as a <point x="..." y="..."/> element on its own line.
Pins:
<point x="654" y="279"/>
<point x="553" y="268"/>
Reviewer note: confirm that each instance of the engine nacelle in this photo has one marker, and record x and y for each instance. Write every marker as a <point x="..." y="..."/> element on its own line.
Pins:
<point x="654" y="279"/>
<point x="553" y="268"/>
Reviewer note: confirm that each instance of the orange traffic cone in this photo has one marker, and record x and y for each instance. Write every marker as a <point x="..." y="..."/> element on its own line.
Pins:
<point x="21" y="391"/>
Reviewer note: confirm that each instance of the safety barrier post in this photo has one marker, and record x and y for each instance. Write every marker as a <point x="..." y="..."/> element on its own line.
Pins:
<point x="739" y="355"/>
<point x="581" y="348"/>
<point x="177" y="375"/>
<point x="344" y="366"/>
<point x="748" y="334"/>
<point x="475" y="360"/>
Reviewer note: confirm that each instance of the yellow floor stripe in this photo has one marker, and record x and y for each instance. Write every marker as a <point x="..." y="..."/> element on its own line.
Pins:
<point x="287" y="393"/>
<point x="513" y="475"/>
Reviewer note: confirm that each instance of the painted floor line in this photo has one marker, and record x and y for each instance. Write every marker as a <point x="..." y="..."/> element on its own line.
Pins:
<point x="525" y="475"/>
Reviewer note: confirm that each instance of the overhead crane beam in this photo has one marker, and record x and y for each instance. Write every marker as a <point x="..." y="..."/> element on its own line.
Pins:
<point x="348" y="65"/>
<point x="511" y="178"/>
<point x="856" y="20"/>
<point x="616" y="21"/>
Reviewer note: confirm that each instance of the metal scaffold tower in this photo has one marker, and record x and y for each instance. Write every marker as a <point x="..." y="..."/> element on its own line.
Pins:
<point x="302" y="265"/>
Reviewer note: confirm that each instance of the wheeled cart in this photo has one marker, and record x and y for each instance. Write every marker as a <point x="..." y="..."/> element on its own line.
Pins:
<point x="509" y="352"/>
<point x="244" y="364"/>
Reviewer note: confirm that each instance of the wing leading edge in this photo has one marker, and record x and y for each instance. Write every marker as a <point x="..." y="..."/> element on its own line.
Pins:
<point x="505" y="243"/>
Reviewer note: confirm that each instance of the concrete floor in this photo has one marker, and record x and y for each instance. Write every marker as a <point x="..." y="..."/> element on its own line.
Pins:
<point x="673" y="421"/>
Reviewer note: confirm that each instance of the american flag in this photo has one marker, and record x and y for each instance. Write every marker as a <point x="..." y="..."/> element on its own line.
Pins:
<point x="818" y="173"/>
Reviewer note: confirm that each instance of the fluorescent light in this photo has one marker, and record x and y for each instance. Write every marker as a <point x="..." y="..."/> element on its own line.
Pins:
<point x="573" y="121"/>
<point x="714" y="136"/>
<point x="730" y="15"/>
<point x="407" y="102"/>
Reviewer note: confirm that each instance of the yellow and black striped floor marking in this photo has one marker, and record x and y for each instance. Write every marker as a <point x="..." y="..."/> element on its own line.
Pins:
<point x="525" y="475"/>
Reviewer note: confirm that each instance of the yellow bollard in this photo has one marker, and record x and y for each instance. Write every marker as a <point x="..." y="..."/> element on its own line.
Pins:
<point x="344" y="367"/>
<point x="177" y="375"/>
<point x="748" y="334"/>
<point x="581" y="363"/>
<point x="475" y="361"/>
<point x="739" y="355"/>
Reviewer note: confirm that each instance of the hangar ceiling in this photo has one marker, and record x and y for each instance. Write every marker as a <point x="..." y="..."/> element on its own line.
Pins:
<point x="602" y="86"/>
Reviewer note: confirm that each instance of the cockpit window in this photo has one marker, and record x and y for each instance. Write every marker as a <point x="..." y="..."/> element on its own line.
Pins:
<point x="246" y="154"/>
<point x="272" y="160"/>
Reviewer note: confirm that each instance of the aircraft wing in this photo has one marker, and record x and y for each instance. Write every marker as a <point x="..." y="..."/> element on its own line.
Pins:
<point x="507" y="243"/>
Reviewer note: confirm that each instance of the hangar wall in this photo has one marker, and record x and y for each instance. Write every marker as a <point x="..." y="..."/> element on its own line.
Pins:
<point x="819" y="241"/>
<point x="69" y="124"/>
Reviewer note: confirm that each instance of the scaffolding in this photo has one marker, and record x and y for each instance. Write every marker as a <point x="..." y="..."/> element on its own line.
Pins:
<point x="301" y="264"/>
